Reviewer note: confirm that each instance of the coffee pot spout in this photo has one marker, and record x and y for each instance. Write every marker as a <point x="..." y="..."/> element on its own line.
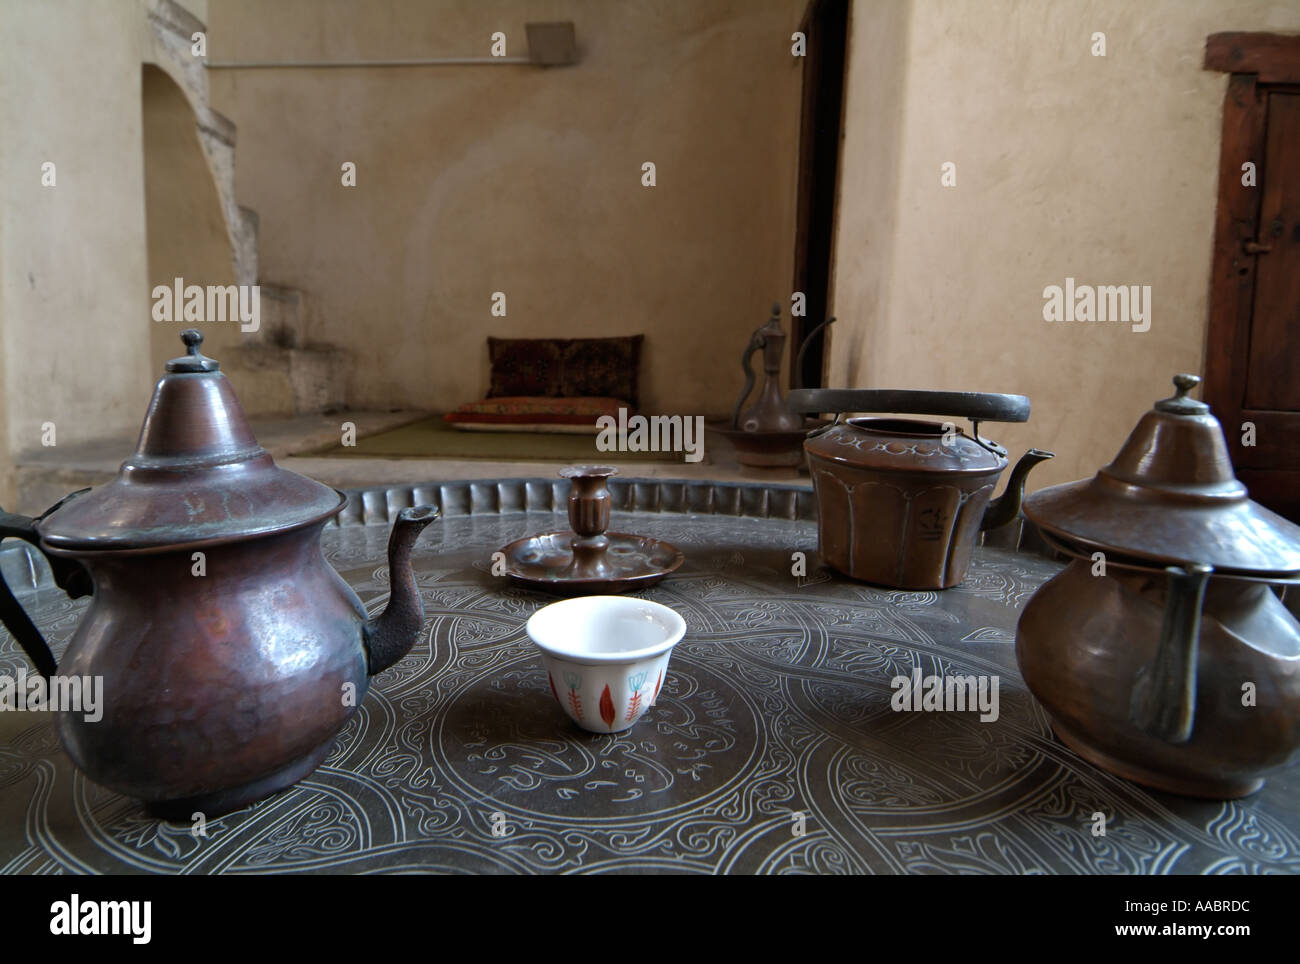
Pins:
<point x="391" y="634"/>
<point x="1007" y="506"/>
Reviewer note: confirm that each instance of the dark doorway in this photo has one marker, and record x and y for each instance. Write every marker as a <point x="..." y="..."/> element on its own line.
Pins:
<point x="1252" y="356"/>
<point x="825" y="25"/>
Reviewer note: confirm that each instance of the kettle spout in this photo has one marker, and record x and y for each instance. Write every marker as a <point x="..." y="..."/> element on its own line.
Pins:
<point x="390" y="635"/>
<point x="1007" y="506"/>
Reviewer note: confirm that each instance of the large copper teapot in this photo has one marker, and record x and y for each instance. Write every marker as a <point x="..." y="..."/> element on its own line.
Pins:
<point x="230" y="652"/>
<point x="901" y="502"/>
<point x="1161" y="653"/>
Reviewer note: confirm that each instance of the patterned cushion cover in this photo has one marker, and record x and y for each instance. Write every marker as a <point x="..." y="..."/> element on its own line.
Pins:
<point x="524" y="366"/>
<point x="566" y="367"/>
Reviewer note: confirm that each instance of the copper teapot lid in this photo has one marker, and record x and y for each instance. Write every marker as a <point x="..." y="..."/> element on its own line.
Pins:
<point x="1170" y="496"/>
<point x="857" y="438"/>
<point x="198" y="476"/>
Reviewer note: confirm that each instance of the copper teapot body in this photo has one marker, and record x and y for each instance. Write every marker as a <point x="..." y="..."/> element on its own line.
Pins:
<point x="1161" y="653"/>
<point x="230" y="651"/>
<point x="901" y="502"/>
<point x="1085" y="641"/>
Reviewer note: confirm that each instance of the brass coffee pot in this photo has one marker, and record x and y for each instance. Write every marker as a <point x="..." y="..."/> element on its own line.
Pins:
<point x="231" y="653"/>
<point x="766" y="433"/>
<point x="1161" y="653"/>
<point x="770" y="412"/>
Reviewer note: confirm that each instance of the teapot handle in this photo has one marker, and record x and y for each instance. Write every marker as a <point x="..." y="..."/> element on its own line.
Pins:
<point x="756" y="343"/>
<point x="69" y="575"/>
<point x="1164" y="694"/>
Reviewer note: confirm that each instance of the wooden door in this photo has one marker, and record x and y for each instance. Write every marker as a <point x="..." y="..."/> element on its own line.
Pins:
<point x="1252" y="366"/>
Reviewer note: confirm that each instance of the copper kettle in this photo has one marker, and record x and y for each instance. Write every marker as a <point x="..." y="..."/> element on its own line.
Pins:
<point x="1161" y="653"/>
<point x="900" y="502"/>
<point x="230" y="652"/>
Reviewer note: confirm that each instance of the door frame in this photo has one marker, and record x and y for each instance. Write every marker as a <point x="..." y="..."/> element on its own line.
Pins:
<point x="1258" y="63"/>
<point x="821" y="133"/>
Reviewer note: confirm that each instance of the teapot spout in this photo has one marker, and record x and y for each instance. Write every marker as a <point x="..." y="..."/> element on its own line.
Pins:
<point x="390" y="635"/>
<point x="1007" y="506"/>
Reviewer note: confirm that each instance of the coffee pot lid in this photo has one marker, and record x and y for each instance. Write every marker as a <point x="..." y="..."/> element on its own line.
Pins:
<point x="1171" y="496"/>
<point x="198" y="475"/>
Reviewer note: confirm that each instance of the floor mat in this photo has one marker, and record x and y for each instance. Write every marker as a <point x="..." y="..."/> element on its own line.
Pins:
<point x="433" y="438"/>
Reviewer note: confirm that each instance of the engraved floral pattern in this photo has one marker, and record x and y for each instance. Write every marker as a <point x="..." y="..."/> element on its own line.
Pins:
<point x="771" y="745"/>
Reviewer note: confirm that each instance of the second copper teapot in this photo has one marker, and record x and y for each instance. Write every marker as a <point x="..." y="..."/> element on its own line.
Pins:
<point x="900" y="502"/>
<point x="1161" y="653"/>
<point x="230" y="652"/>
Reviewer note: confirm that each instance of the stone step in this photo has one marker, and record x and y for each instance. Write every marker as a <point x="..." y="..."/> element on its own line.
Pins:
<point x="172" y="28"/>
<point x="284" y="369"/>
<point x="245" y="253"/>
<point x="284" y="314"/>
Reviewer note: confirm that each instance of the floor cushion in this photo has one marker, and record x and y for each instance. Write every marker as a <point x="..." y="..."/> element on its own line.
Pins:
<point x="566" y="367"/>
<point x="534" y="413"/>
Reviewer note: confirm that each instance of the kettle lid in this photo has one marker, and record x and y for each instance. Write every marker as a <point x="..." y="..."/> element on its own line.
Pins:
<point x="198" y="475"/>
<point x="1171" y="496"/>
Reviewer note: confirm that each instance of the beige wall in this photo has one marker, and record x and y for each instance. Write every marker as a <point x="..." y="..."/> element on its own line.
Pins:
<point x="74" y="320"/>
<point x="1103" y="169"/>
<point x="477" y="179"/>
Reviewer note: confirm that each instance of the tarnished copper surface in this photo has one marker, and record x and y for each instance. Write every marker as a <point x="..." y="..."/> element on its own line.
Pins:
<point x="586" y="558"/>
<point x="239" y="677"/>
<point x="901" y="501"/>
<point x="773" y="449"/>
<point x="1084" y="641"/>
<point x="767" y="433"/>
<point x="1136" y="672"/>
<point x="769" y="413"/>
<point x="198" y="476"/>
<point x="632" y="562"/>
<point x="1170" y="495"/>
<point x="228" y="651"/>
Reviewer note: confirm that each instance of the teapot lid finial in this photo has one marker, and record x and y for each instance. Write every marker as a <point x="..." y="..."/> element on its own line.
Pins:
<point x="197" y="475"/>
<point x="193" y="360"/>
<point x="1179" y="403"/>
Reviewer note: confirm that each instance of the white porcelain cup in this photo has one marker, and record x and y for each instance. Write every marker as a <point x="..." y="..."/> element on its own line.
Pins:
<point x="606" y="656"/>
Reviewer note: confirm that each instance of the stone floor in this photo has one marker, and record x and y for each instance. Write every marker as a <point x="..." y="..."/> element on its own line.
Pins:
<point x="44" y="476"/>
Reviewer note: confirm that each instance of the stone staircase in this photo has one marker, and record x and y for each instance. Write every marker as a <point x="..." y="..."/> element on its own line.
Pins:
<point x="280" y="369"/>
<point x="282" y="375"/>
<point x="170" y="48"/>
<point x="283" y="371"/>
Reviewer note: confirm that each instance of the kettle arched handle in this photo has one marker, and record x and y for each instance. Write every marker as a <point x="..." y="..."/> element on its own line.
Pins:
<point x="69" y="575"/>
<point x="976" y="406"/>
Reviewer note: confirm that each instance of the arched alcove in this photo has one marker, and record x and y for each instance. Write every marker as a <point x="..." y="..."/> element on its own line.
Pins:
<point x="188" y="239"/>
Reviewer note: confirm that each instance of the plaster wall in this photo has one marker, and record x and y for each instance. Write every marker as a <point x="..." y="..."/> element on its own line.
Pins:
<point x="1103" y="169"/>
<point x="74" y="322"/>
<point x="476" y="179"/>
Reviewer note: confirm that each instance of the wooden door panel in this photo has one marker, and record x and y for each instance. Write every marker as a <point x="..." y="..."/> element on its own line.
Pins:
<point x="1252" y="356"/>
<point x="1273" y="371"/>
<point x="1275" y="439"/>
